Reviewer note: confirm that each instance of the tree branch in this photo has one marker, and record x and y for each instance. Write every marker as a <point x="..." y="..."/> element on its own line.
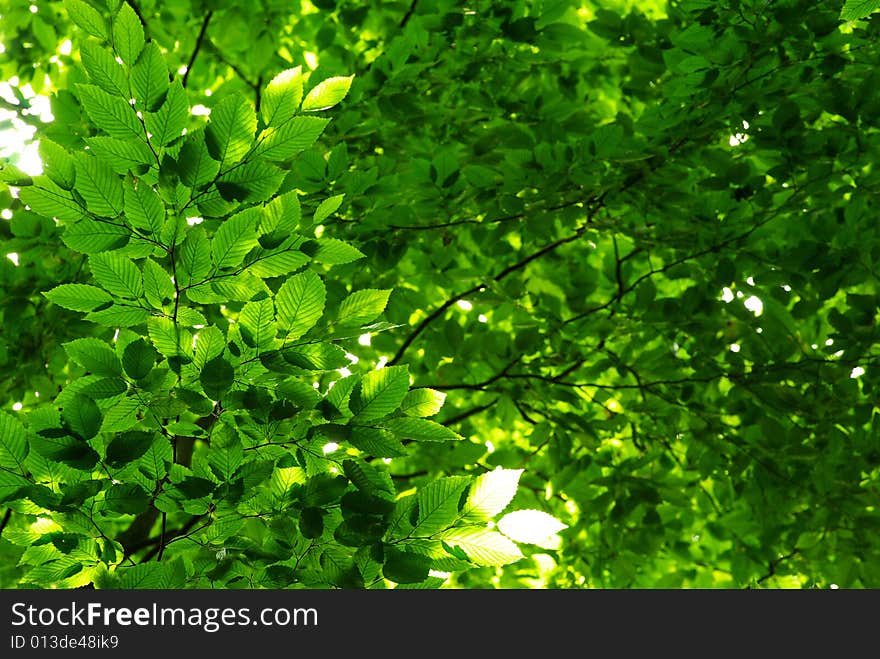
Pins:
<point x="519" y="265"/>
<point x="6" y="517"/>
<point x="198" y="46"/>
<point x="409" y="14"/>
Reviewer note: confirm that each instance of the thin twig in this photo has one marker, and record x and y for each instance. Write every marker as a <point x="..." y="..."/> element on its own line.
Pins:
<point x="198" y="47"/>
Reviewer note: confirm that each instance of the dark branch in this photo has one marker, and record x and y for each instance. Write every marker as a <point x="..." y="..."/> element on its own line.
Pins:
<point x="458" y="418"/>
<point x="198" y="47"/>
<point x="519" y="265"/>
<point x="6" y="517"/>
<point x="409" y="14"/>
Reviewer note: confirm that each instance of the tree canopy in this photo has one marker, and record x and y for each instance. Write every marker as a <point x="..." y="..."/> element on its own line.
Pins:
<point x="420" y="294"/>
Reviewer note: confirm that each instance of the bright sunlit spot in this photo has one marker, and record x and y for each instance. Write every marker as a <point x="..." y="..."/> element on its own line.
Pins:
<point x="734" y="347"/>
<point x="464" y="305"/>
<point x="726" y="295"/>
<point x="364" y="339"/>
<point x="192" y="221"/>
<point x="13" y="256"/>
<point x="754" y="304"/>
<point x="532" y="526"/>
<point x="17" y="407"/>
<point x="482" y="318"/>
<point x="344" y="372"/>
<point x="857" y="372"/>
<point x="330" y="447"/>
<point x="199" y="110"/>
<point x="6" y="214"/>
<point x="381" y="363"/>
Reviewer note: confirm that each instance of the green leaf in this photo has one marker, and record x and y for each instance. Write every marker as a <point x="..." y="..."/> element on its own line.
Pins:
<point x="405" y="566"/>
<point x="122" y="156"/>
<point x="210" y="343"/>
<point x="119" y="315"/>
<point x="78" y="297"/>
<point x="422" y="402"/>
<point x="104" y="388"/>
<point x="149" y="78"/>
<point x="225" y="460"/>
<point x="231" y="129"/>
<point x="167" y="123"/>
<point x="532" y="526"/>
<point x="856" y="9"/>
<point x="158" y="287"/>
<point x="311" y="523"/>
<point x="216" y="378"/>
<point x="127" y="447"/>
<point x="283" y="213"/>
<point x="92" y="236"/>
<point x="123" y="415"/>
<point x="146" y="576"/>
<point x="127" y="498"/>
<point x="370" y="479"/>
<point x="377" y="442"/>
<point x="170" y="339"/>
<point x="13" y="444"/>
<point x="482" y="546"/>
<point x="138" y="359"/>
<point x="128" y="34"/>
<point x="94" y="355"/>
<point x="49" y="200"/>
<point x="327" y="207"/>
<point x="491" y="493"/>
<point x="112" y="114"/>
<point x="87" y="18"/>
<point x="58" y="164"/>
<point x="317" y="356"/>
<point x="362" y="306"/>
<point x="144" y="208"/>
<point x="327" y="93"/>
<point x="332" y="251"/>
<point x="290" y="138"/>
<point x="253" y="181"/>
<point x="275" y="265"/>
<point x="381" y="392"/>
<point x="438" y="504"/>
<point x="12" y="175"/>
<point x="282" y="97"/>
<point x="299" y="304"/>
<point x="57" y="446"/>
<point x="194" y="164"/>
<point x="235" y="238"/>
<point x="104" y="70"/>
<point x="99" y="186"/>
<point x="117" y="274"/>
<point x="421" y="430"/>
<point x="193" y="258"/>
<point x="257" y="321"/>
<point x="82" y="415"/>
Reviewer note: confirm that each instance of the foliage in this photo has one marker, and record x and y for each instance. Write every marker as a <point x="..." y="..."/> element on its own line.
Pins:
<point x="629" y="244"/>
